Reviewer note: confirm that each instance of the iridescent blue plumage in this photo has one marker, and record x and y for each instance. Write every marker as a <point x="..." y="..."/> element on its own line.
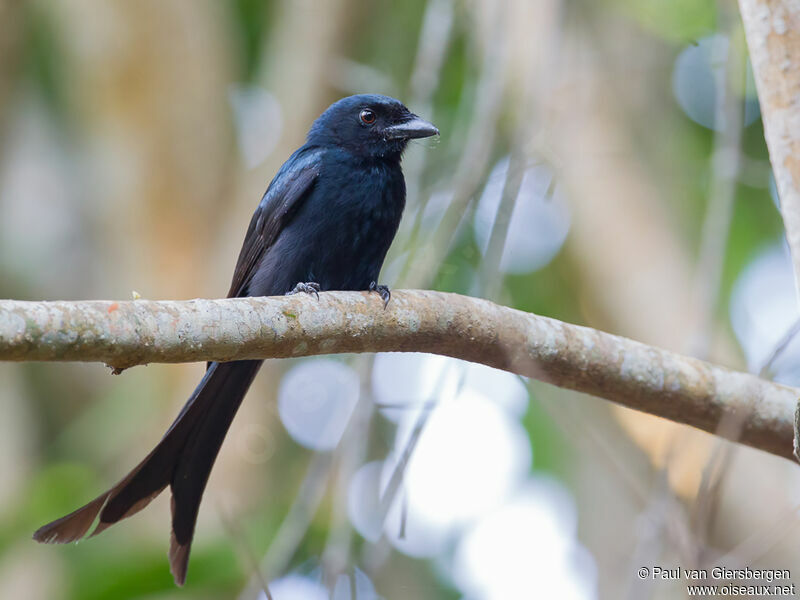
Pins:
<point x="328" y="217"/>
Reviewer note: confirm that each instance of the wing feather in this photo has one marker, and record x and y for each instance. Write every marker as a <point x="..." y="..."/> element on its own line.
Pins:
<point x="283" y="198"/>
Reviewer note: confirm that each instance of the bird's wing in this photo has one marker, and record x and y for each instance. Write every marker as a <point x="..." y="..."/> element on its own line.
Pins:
<point x="283" y="198"/>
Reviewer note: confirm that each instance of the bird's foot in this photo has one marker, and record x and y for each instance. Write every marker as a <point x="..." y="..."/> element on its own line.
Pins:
<point x="383" y="290"/>
<point x="308" y="287"/>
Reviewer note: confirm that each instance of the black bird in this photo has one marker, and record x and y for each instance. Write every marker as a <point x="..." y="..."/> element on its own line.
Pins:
<point x="325" y="223"/>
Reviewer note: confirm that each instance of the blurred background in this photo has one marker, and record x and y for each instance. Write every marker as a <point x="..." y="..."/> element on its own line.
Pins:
<point x="601" y="162"/>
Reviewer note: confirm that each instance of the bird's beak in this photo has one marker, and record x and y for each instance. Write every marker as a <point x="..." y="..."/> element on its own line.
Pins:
<point x="410" y="129"/>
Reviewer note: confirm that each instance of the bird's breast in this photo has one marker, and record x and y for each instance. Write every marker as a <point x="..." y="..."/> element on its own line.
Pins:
<point x="355" y="213"/>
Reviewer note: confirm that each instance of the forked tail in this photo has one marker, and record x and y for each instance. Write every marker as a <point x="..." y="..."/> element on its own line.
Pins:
<point x="182" y="459"/>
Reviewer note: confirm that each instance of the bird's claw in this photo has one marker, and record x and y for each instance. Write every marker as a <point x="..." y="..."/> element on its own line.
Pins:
<point x="309" y="287"/>
<point x="383" y="290"/>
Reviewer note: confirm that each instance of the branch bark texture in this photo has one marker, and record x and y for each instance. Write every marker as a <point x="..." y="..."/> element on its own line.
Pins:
<point x="772" y="28"/>
<point x="679" y="388"/>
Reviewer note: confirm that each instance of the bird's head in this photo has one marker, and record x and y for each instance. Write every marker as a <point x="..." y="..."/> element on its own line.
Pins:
<point x="369" y="125"/>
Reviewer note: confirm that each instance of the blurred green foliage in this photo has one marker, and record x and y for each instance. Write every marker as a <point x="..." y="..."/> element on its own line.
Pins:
<point x="681" y="21"/>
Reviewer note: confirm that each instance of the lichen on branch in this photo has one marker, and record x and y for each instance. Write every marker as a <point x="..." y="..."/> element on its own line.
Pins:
<point x="680" y="388"/>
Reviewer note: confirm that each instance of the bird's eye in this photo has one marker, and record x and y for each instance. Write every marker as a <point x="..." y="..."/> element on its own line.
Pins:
<point x="367" y="116"/>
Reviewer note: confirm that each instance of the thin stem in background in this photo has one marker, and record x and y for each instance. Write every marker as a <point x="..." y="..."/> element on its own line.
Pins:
<point x="728" y="122"/>
<point x="352" y="452"/>
<point x="779" y="349"/>
<point x="434" y="41"/>
<point x="295" y="525"/>
<point x="421" y="267"/>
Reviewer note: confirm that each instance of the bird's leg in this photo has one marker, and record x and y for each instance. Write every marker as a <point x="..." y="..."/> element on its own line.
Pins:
<point x="309" y="287"/>
<point x="383" y="290"/>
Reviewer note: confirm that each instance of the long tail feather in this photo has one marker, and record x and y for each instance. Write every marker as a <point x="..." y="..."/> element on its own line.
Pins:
<point x="197" y="458"/>
<point x="183" y="459"/>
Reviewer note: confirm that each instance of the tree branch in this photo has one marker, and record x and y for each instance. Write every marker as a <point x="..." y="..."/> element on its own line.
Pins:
<point x="772" y="29"/>
<point x="679" y="388"/>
